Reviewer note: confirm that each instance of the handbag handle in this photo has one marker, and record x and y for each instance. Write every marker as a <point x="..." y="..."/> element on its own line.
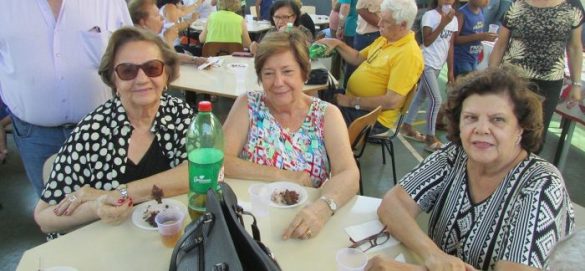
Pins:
<point x="188" y="242"/>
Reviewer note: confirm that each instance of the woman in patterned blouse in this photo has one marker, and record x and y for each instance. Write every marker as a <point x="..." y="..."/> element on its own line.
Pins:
<point x="282" y="134"/>
<point x="534" y="36"/>
<point x="119" y="151"/>
<point x="494" y="204"/>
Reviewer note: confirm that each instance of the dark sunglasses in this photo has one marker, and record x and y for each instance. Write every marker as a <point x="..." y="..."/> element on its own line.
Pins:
<point x="375" y="240"/>
<point x="129" y="71"/>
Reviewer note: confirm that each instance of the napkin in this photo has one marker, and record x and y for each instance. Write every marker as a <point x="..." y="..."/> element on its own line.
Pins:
<point x="364" y="230"/>
<point x="211" y="61"/>
<point x="400" y="258"/>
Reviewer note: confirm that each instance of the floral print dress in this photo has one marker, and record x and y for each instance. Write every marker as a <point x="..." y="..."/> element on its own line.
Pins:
<point x="272" y="145"/>
<point x="539" y="36"/>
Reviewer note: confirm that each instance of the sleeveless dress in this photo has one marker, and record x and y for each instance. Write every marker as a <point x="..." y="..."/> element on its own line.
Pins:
<point x="272" y="145"/>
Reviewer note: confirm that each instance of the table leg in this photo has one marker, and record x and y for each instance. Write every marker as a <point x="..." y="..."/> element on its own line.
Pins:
<point x="564" y="143"/>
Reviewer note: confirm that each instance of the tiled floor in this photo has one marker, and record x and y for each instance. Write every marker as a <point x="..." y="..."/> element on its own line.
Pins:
<point x="18" y="231"/>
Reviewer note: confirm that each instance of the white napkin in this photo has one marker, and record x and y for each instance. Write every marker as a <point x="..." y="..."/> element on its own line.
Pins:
<point x="211" y="61"/>
<point x="364" y="230"/>
<point x="400" y="258"/>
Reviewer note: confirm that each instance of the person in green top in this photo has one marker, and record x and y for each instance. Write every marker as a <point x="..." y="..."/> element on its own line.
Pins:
<point x="226" y="25"/>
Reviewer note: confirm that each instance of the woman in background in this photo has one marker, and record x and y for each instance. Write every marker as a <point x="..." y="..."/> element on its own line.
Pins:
<point x="225" y="25"/>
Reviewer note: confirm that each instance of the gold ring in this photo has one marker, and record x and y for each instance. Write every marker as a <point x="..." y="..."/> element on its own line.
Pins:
<point x="71" y="197"/>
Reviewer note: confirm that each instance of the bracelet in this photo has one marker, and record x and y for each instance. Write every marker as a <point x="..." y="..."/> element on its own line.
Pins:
<point x="577" y="83"/>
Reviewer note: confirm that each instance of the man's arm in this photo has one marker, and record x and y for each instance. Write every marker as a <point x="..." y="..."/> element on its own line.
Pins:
<point x="348" y="54"/>
<point x="391" y="100"/>
<point x="343" y="12"/>
<point x="369" y="17"/>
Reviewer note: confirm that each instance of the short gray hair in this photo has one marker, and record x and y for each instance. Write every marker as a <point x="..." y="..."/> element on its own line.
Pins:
<point x="569" y="253"/>
<point x="401" y="10"/>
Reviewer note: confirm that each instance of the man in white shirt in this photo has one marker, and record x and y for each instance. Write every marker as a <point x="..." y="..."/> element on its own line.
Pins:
<point x="48" y="69"/>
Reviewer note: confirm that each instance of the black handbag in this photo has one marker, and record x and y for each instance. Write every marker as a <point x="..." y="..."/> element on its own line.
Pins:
<point x="318" y="77"/>
<point x="218" y="240"/>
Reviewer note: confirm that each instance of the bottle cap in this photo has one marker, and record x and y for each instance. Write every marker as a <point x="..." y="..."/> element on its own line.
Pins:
<point x="204" y="106"/>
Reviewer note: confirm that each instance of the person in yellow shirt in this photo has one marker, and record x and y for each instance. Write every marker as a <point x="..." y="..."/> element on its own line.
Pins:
<point x="387" y="69"/>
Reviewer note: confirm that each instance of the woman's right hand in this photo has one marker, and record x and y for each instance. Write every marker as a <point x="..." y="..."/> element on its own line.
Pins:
<point x="112" y="210"/>
<point x="73" y="200"/>
<point x="303" y="178"/>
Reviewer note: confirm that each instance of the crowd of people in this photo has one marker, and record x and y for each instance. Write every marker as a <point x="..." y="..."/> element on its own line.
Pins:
<point x="494" y="203"/>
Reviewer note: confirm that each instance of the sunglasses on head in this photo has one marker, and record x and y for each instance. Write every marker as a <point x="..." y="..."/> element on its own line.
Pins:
<point x="129" y="71"/>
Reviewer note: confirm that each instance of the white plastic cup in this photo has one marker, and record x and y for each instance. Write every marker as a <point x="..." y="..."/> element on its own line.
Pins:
<point x="446" y="8"/>
<point x="493" y="28"/>
<point x="258" y="199"/>
<point x="240" y="71"/>
<point x="351" y="259"/>
<point x="169" y="224"/>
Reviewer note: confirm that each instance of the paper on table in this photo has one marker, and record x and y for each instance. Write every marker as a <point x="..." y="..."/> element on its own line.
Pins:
<point x="364" y="230"/>
<point x="211" y="61"/>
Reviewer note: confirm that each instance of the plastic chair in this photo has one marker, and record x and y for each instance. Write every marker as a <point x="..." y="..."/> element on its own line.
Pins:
<point x="359" y="130"/>
<point x="220" y="48"/>
<point x="385" y="139"/>
<point x="48" y="167"/>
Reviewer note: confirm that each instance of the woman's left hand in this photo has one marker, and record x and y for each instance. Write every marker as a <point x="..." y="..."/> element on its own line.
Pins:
<point x="73" y="200"/>
<point x="112" y="210"/>
<point x="308" y="222"/>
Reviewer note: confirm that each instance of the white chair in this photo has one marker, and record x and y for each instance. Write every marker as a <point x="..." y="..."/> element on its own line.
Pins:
<point x="48" y="167"/>
<point x="253" y="11"/>
<point x="309" y="9"/>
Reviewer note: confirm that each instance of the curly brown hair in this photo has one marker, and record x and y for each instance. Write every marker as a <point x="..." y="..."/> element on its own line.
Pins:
<point x="502" y="80"/>
<point x="128" y="34"/>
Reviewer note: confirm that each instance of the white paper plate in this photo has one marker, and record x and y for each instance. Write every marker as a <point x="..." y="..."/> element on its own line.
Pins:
<point x="139" y="211"/>
<point x="281" y="186"/>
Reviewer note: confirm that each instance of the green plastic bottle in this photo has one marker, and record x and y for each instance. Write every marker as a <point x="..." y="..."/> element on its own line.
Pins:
<point x="205" y="155"/>
<point x="319" y="50"/>
<point x="289" y="27"/>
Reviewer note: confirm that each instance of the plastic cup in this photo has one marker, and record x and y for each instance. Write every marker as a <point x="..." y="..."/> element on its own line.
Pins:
<point x="170" y="224"/>
<point x="493" y="28"/>
<point x="446" y="8"/>
<point x="240" y="72"/>
<point x="351" y="259"/>
<point x="258" y="199"/>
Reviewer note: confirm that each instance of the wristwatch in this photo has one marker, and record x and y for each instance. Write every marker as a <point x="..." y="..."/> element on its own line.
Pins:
<point x="356" y="104"/>
<point x="330" y="203"/>
<point x="123" y="189"/>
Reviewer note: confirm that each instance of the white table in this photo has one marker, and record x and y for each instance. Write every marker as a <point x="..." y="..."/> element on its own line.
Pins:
<point x="320" y="20"/>
<point x="253" y="26"/>
<point x="99" y="246"/>
<point x="221" y="81"/>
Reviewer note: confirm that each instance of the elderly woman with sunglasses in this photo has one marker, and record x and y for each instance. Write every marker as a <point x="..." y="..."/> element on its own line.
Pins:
<point x="134" y="141"/>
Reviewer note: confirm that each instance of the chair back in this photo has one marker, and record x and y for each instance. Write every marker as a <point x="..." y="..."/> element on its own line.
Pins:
<point x="253" y="11"/>
<point x="360" y="129"/>
<point x="220" y="48"/>
<point x="48" y="167"/>
<point x="309" y="9"/>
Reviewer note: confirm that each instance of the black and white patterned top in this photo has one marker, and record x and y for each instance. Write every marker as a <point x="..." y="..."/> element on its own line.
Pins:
<point x="96" y="151"/>
<point x="520" y="222"/>
<point x="539" y="36"/>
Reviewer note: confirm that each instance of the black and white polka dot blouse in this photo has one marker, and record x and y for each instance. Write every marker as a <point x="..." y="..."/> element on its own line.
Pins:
<point x="96" y="151"/>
